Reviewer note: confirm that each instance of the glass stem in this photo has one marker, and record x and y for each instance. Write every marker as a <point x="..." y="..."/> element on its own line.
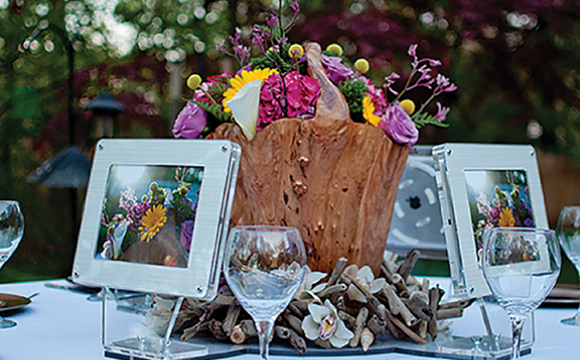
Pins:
<point x="264" y="329"/>
<point x="517" y="327"/>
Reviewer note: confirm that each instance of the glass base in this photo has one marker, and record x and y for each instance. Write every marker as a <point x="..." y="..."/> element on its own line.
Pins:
<point x="6" y="324"/>
<point x="574" y="320"/>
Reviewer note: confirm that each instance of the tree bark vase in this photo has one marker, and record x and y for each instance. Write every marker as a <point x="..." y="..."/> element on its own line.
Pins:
<point x="333" y="179"/>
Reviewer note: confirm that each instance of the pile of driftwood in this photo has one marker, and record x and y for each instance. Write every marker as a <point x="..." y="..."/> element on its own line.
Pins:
<point x="406" y="308"/>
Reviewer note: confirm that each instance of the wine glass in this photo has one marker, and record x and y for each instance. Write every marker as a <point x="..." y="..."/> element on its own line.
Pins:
<point x="521" y="266"/>
<point x="569" y="235"/>
<point x="11" y="231"/>
<point x="264" y="267"/>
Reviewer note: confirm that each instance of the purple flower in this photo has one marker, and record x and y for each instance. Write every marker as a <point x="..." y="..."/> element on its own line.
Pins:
<point x="186" y="233"/>
<point x="441" y="112"/>
<point x="190" y="122"/>
<point x="399" y="125"/>
<point x="335" y="70"/>
<point x="529" y="222"/>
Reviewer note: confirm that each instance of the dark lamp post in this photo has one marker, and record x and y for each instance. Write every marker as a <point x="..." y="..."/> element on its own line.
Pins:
<point x="105" y="110"/>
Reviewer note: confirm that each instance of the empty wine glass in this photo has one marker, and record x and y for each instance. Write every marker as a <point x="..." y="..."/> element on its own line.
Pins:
<point x="264" y="267"/>
<point x="11" y="231"/>
<point x="521" y="266"/>
<point x="569" y="235"/>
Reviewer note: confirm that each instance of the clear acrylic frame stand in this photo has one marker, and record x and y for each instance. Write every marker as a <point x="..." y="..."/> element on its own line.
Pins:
<point x="128" y="332"/>
<point x="484" y="332"/>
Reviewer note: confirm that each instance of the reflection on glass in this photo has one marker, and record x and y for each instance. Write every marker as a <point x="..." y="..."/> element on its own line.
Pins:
<point x="264" y="267"/>
<point x="149" y="214"/>
<point x="521" y="266"/>
<point x="569" y="235"/>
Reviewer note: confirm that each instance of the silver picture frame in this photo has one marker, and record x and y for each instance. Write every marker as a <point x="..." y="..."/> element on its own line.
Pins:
<point x="207" y="167"/>
<point x="473" y="181"/>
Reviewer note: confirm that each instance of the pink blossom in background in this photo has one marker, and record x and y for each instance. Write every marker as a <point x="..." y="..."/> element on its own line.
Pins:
<point x="190" y="122"/>
<point x="302" y="91"/>
<point x="335" y="70"/>
<point x="399" y="125"/>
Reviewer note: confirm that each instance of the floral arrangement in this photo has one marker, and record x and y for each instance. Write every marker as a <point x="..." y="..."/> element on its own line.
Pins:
<point x="352" y="307"/>
<point x="276" y="85"/>
<point x="158" y="227"/>
<point x="508" y="208"/>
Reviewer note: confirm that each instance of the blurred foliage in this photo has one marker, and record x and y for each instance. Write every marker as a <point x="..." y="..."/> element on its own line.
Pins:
<point x="516" y="64"/>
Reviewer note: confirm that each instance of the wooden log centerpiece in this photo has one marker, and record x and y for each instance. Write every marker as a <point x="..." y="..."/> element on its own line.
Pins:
<point x="333" y="179"/>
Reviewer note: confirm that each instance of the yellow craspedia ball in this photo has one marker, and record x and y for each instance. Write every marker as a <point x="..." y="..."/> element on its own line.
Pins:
<point x="334" y="49"/>
<point x="193" y="81"/>
<point x="296" y="51"/>
<point x="362" y="65"/>
<point x="408" y="105"/>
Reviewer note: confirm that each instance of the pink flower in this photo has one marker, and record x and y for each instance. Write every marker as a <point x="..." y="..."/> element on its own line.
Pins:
<point x="302" y="92"/>
<point x="190" y="122"/>
<point x="136" y="214"/>
<point x="376" y="95"/>
<point x="399" y="125"/>
<point x="441" y="112"/>
<point x="335" y="70"/>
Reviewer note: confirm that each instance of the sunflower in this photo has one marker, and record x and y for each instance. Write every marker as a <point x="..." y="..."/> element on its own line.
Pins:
<point x="506" y="218"/>
<point x="369" y="111"/>
<point x="152" y="221"/>
<point x="239" y="81"/>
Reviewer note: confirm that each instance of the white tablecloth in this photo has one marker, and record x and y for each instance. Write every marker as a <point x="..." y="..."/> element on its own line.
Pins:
<point x="63" y="325"/>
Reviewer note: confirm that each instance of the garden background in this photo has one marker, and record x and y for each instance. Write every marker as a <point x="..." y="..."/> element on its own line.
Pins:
<point x="516" y="63"/>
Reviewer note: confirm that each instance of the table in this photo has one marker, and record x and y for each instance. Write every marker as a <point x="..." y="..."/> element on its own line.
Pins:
<point x="60" y="324"/>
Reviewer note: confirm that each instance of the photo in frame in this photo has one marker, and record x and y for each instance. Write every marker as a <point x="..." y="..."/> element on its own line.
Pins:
<point x="482" y="186"/>
<point x="156" y="216"/>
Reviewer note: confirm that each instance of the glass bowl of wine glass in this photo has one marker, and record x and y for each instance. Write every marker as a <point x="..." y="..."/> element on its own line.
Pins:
<point x="11" y="232"/>
<point x="264" y="266"/>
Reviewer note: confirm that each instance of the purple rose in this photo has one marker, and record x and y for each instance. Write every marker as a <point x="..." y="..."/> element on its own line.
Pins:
<point x="399" y="125"/>
<point x="190" y="122"/>
<point x="335" y="70"/>
<point x="186" y="233"/>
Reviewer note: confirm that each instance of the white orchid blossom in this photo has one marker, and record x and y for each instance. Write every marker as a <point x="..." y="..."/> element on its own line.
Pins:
<point x="309" y="285"/>
<point x="245" y="105"/>
<point x="323" y="322"/>
<point x="366" y="278"/>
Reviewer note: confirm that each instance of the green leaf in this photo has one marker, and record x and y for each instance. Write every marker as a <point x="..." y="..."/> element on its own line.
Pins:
<point x="423" y="119"/>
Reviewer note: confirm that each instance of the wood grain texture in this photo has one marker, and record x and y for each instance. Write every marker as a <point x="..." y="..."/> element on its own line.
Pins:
<point x="333" y="179"/>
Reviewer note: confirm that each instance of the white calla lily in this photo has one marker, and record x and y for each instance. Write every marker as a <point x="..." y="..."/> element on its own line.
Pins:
<point x="245" y="105"/>
<point x="367" y="279"/>
<point x="323" y="322"/>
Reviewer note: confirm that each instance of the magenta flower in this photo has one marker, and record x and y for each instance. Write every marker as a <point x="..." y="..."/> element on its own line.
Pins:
<point x="376" y="95"/>
<point x="190" y="122"/>
<point x="302" y="94"/>
<point x="335" y="70"/>
<point x="186" y="233"/>
<point x="398" y="124"/>
<point x="136" y="214"/>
